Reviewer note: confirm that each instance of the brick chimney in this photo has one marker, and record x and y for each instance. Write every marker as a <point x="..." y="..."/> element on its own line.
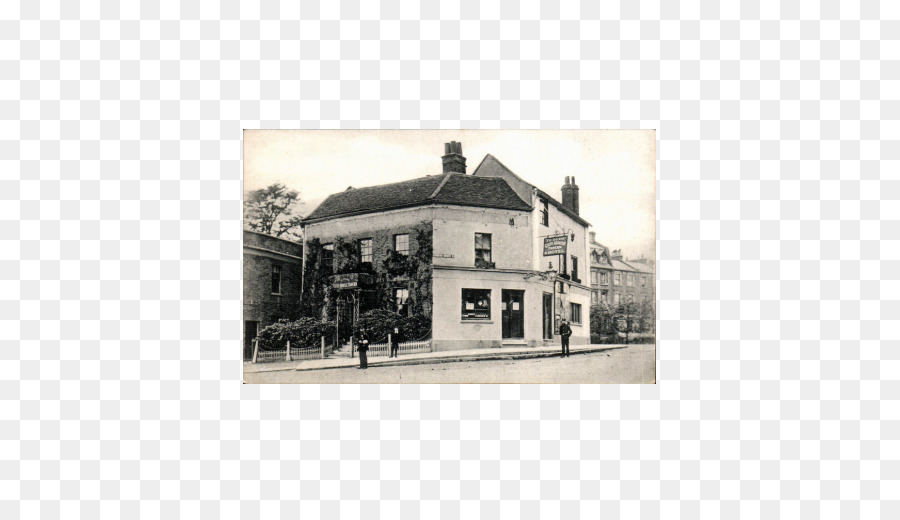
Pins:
<point x="453" y="159"/>
<point x="570" y="195"/>
<point x="593" y="236"/>
<point x="616" y="254"/>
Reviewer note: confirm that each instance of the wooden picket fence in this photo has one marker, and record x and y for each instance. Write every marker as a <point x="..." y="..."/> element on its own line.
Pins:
<point x="325" y="348"/>
<point x="320" y="351"/>
<point x="407" y="347"/>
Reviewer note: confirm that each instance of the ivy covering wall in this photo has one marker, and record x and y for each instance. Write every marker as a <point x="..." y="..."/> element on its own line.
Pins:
<point x="389" y="270"/>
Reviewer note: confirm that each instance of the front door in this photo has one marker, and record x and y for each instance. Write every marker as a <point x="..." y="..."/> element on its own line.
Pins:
<point x="513" y="314"/>
<point x="548" y="316"/>
<point x="249" y="334"/>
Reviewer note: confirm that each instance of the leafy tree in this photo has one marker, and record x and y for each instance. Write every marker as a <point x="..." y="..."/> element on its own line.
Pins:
<point x="626" y="316"/>
<point x="274" y="210"/>
<point x="603" y="318"/>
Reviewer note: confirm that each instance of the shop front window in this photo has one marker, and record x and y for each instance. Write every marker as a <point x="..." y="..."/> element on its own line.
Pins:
<point x="476" y="304"/>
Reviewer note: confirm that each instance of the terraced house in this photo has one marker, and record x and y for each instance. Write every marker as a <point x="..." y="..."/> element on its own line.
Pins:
<point x="464" y="250"/>
<point x="615" y="281"/>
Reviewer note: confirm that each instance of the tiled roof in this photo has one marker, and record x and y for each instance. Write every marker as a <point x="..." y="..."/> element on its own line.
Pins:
<point x="621" y="266"/>
<point x="640" y="266"/>
<point x="450" y="188"/>
<point x="489" y="192"/>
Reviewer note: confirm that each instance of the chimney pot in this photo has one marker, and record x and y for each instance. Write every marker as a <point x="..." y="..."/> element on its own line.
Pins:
<point x="570" y="194"/>
<point x="453" y="159"/>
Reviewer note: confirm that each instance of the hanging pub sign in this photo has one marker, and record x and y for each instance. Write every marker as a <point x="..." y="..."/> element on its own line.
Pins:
<point x="555" y="245"/>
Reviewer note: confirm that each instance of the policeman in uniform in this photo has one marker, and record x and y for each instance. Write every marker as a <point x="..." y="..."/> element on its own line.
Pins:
<point x="565" y="331"/>
<point x="363" y="347"/>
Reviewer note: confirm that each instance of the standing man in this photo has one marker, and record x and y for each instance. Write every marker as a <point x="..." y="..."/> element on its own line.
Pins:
<point x="363" y="346"/>
<point x="395" y="342"/>
<point x="564" y="331"/>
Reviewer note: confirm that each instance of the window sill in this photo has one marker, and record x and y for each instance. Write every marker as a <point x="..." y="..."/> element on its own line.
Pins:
<point x="277" y="294"/>
<point x="475" y="321"/>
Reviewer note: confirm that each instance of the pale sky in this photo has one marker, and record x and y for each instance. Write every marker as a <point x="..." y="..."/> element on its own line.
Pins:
<point x="614" y="169"/>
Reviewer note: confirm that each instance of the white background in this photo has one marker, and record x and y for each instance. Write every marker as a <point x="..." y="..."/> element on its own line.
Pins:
<point x="120" y="261"/>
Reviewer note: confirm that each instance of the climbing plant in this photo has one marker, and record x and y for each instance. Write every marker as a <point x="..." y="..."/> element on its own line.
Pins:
<point x="389" y="270"/>
<point x="314" y="276"/>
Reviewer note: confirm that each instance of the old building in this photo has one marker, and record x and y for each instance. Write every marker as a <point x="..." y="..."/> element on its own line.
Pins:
<point x="615" y="281"/>
<point x="466" y="251"/>
<point x="273" y="270"/>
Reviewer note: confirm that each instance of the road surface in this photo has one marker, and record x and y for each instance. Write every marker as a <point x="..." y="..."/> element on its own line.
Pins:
<point x="632" y="364"/>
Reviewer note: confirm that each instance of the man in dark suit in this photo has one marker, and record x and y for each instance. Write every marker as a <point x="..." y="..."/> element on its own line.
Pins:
<point x="395" y="342"/>
<point x="363" y="347"/>
<point x="564" y="332"/>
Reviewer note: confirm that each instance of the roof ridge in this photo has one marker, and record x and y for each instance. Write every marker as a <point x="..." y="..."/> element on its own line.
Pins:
<point x="441" y="185"/>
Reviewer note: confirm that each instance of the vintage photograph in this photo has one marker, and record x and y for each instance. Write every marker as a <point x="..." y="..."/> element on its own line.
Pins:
<point x="449" y="256"/>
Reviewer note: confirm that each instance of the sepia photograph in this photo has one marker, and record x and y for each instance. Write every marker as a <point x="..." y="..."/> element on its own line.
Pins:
<point x="449" y="256"/>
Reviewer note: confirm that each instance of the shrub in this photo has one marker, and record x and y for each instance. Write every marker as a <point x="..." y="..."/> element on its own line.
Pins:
<point x="416" y="327"/>
<point x="305" y="332"/>
<point x="377" y="324"/>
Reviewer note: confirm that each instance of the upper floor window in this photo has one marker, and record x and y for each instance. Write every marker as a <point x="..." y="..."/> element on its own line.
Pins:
<point x="276" y="279"/>
<point x="483" y="247"/>
<point x="630" y="280"/>
<point x="594" y="278"/>
<point x="401" y="244"/>
<point x="365" y="250"/>
<point x="575" y="268"/>
<point x="328" y="256"/>
<point x="545" y="212"/>
<point x="604" y="278"/>
<point x="644" y="281"/>
<point x="617" y="279"/>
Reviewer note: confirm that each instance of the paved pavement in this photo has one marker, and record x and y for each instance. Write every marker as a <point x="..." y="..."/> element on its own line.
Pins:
<point x="616" y="364"/>
<point x="432" y="357"/>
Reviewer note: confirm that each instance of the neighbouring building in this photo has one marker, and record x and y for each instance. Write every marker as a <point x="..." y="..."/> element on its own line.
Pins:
<point x="646" y="290"/>
<point x="466" y="251"/>
<point x="273" y="270"/>
<point x="615" y="281"/>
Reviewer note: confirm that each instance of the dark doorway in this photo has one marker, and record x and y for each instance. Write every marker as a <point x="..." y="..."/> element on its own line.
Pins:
<point x="548" y="316"/>
<point x="249" y="334"/>
<point x="513" y="314"/>
<point x="345" y="316"/>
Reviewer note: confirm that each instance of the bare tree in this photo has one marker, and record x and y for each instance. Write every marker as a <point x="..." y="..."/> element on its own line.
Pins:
<point x="271" y="210"/>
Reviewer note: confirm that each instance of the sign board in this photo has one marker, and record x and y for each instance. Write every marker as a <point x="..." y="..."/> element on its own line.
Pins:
<point x="555" y="245"/>
<point x="349" y="280"/>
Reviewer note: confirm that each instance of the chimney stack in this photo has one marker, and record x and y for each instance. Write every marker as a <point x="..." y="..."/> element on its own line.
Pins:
<point x="453" y="159"/>
<point x="593" y="236"/>
<point x="570" y="195"/>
